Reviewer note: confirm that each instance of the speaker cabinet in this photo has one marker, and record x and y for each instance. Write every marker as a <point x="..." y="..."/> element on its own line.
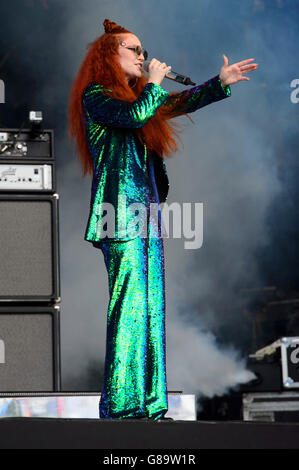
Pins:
<point x="29" y="349"/>
<point x="29" y="248"/>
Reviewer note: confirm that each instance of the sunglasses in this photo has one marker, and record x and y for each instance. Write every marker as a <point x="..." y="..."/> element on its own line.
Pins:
<point x="137" y="49"/>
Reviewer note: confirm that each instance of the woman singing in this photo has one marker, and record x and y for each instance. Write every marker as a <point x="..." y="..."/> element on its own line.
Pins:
<point x="119" y="119"/>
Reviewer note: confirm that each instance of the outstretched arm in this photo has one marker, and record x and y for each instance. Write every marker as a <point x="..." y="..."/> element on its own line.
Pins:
<point x="213" y="90"/>
<point x="107" y="111"/>
<point x="194" y="98"/>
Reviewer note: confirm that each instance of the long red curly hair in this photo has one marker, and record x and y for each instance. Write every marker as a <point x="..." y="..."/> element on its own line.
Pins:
<point x="101" y="66"/>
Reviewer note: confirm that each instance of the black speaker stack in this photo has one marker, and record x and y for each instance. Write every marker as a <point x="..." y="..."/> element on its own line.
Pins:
<point x="29" y="262"/>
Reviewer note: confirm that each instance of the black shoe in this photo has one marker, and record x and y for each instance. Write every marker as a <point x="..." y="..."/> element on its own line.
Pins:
<point x="165" y="419"/>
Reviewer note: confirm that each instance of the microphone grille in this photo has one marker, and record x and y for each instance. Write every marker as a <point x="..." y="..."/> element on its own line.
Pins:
<point x="145" y="65"/>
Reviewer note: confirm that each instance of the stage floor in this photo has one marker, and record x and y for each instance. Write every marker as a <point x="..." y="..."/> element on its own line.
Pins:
<point x="51" y="433"/>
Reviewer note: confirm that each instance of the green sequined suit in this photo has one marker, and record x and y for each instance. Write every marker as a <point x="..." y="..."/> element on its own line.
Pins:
<point x="135" y="374"/>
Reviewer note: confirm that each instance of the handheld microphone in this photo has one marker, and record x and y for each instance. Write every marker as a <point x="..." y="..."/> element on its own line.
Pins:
<point x="177" y="77"/>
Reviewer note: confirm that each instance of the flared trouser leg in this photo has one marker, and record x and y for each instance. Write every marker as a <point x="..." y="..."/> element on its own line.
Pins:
<point x="135" y="363"/>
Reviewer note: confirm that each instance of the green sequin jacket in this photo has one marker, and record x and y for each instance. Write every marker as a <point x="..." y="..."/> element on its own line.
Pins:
<point x="119" y="159"/>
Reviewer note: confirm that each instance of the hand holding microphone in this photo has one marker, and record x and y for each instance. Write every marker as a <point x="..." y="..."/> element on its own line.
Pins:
<point x="158" y="70"/>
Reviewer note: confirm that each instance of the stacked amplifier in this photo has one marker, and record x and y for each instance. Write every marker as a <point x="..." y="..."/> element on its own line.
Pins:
<point x="29" y="263"/>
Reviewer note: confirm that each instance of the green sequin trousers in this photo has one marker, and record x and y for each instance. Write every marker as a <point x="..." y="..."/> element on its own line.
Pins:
<point x="135" y="363"/>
